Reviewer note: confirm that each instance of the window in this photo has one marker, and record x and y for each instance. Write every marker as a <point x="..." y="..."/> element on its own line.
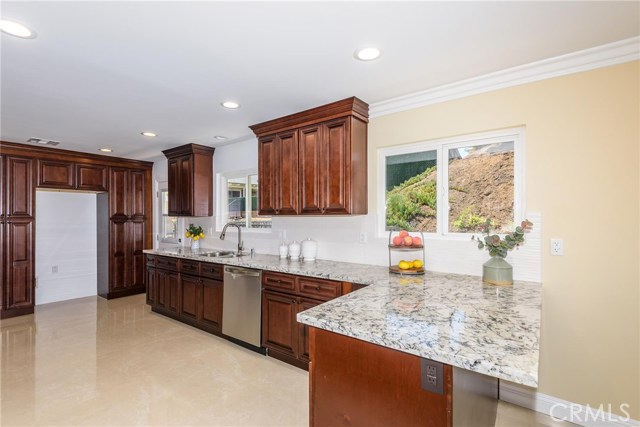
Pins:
<point x="238" y="201"/>
<point x="168" y="225"/>
<point x="483" y="175"/>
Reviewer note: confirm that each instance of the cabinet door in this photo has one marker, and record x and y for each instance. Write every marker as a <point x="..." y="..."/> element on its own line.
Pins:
<point x="119" y="256"/>
<point x="287" y="173"/>
<point x="161" y="289"/>
<point x="92" y="177"/>
<point x="267" y="170"/>
<point x="336" y="163"/>
<point x="279" y="326"/>
<point x="310" y="170"/>
<point x="172" y="291"/>
<point x="190" y="294"/>
<point x="19" y="285"/>
<point x="20" y="187"/>
<point x="303" y="330"/>
<point x="185" y="192"/>
<point x="137" y="194"/>
<point x="212" y="295"/>
<point x="174" y="187"/>
<point x="152" y="286"/>
<point x="56" y="174"/>
<point x="135" y="237"/>
<point x="118" y="192"/>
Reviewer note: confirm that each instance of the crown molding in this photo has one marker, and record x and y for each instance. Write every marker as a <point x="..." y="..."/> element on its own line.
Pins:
<point x="597" y="57"/>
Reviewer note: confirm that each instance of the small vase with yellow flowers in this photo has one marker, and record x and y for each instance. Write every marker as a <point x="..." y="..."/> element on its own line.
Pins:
<point x="196" y="233"/>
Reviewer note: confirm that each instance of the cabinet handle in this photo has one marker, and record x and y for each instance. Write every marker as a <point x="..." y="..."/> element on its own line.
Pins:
<point x="293" y="301"/>
<point x="317" y="288"/>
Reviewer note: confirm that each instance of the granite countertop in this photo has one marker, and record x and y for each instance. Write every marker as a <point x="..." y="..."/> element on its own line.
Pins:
<point x="450" y="318"/>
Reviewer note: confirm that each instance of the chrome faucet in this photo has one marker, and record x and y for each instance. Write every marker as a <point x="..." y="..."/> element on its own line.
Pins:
<point x="224" y="232"/>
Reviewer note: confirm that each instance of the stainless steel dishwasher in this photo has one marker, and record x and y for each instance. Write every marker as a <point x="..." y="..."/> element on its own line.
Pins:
<point x="242" y="306"/>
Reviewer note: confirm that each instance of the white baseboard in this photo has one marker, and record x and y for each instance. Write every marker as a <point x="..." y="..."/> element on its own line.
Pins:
<point x="560" y="409"/>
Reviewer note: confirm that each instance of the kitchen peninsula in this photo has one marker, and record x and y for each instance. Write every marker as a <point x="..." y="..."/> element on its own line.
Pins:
<point x="474" y="334"/>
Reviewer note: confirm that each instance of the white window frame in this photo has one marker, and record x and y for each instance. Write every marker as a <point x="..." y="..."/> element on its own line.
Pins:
<point x="442" y="146"/>
<point x="222" y="213"/>
<point x="163" y="186"/>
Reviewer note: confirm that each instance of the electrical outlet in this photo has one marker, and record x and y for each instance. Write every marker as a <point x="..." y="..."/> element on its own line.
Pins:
<point x="557" y="247"/>
<point x="363" y="237"/>
<point x="54" y="269"/>
<point x="432" y="376"/>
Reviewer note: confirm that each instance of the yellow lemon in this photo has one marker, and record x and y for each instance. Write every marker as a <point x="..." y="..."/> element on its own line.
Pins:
<point x="404" y="265"/>
<point x="202" y="235"/>
<point x="417" y="263"/>
<point x="187" y="234"/>
<point x="195" y="238"/>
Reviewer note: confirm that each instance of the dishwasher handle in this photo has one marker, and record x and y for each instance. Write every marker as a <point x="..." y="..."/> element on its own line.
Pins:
<point x="241" y="272"/>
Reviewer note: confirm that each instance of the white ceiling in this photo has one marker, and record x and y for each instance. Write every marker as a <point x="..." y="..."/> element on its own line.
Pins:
<point x="99" y="73"/>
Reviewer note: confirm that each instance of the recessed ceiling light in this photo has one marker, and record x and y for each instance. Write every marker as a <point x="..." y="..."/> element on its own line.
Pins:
<point x="230" y="104"/>
<point x="150" y="134"/>
<point x="106" y="150"/>
<point x="367" y="54"/>
<point x="17" y="30"/>
<point x="220" y="138"/>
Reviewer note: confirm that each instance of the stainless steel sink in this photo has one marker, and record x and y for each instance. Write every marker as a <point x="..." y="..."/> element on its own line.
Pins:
<point x="222" y="254"/>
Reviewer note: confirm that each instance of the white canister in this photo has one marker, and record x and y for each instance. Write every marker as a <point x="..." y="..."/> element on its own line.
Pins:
<point x="294" y="250"/>
<point x="284" y="250"/>
<point x="309" y="249"/>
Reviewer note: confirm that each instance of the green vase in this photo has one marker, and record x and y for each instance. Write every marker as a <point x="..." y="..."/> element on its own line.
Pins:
<point x="497" y="271"/>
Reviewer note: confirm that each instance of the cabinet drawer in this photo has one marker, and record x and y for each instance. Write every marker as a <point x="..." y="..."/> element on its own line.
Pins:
<point x="166" y="262"/>
<point x="319" y="288"/>
<point x="190" y="267"/>
<point x="210" y="270"/>
<point x="279" y="282"/>
<point x="150" y="260"/>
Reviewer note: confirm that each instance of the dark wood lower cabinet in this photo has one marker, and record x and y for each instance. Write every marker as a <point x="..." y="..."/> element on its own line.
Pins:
<point x="283" y="297"/>
<point x="19" y="287"/>
<point x="356" y="383"/>
<point x="212" y="293"/>
<point x="186" y="290"/>
<point x="279" y="325"/>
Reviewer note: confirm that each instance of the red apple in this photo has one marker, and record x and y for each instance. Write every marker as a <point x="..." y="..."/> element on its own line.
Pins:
<point x="417" y="241"/>
<point x="408" y="240"/>
<point x="403" y="234"/>
<point x="397" y="241"/>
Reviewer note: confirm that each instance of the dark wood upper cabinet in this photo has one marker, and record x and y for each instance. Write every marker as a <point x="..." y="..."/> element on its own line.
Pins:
<point x="56" y="174"/>
<point x="330" y="145"/>
<point x="92" y="177"/>
<point x="67" y="175"/>
<point x="20" y="187"/>
<point x="310" y="169"/>
<point x="267" y="161"/>
<point x="128" y="193"/>
<point x="138" y="197"/>
<point x="190" y="169"/>
<point x="278" y="174"/>
<point x="119" y="194"/>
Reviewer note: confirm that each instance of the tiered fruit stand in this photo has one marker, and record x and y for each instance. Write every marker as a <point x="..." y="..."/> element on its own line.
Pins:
<point x="394" y="249"/>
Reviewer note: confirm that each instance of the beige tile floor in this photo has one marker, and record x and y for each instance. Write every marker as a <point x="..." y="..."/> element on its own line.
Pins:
<point x="93" y="362"/>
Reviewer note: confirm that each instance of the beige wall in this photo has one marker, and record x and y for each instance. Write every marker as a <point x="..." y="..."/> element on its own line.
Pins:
<point x="582" y="161"/>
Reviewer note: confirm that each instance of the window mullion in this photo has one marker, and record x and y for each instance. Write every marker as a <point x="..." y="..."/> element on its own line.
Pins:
<point x="443" y="199"/>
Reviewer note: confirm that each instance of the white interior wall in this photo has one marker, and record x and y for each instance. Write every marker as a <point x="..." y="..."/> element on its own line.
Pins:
<point x="66" y="240"/>
<point x="338" y="236"/>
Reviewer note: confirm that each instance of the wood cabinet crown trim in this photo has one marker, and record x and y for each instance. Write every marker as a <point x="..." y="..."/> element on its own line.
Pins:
<point x="188" y="149"/>
<point x="346" y="107"/>
<point x="45" y="153"/>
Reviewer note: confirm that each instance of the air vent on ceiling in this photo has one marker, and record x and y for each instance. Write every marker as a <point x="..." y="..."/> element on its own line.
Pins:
<point x="43" y="141"/>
